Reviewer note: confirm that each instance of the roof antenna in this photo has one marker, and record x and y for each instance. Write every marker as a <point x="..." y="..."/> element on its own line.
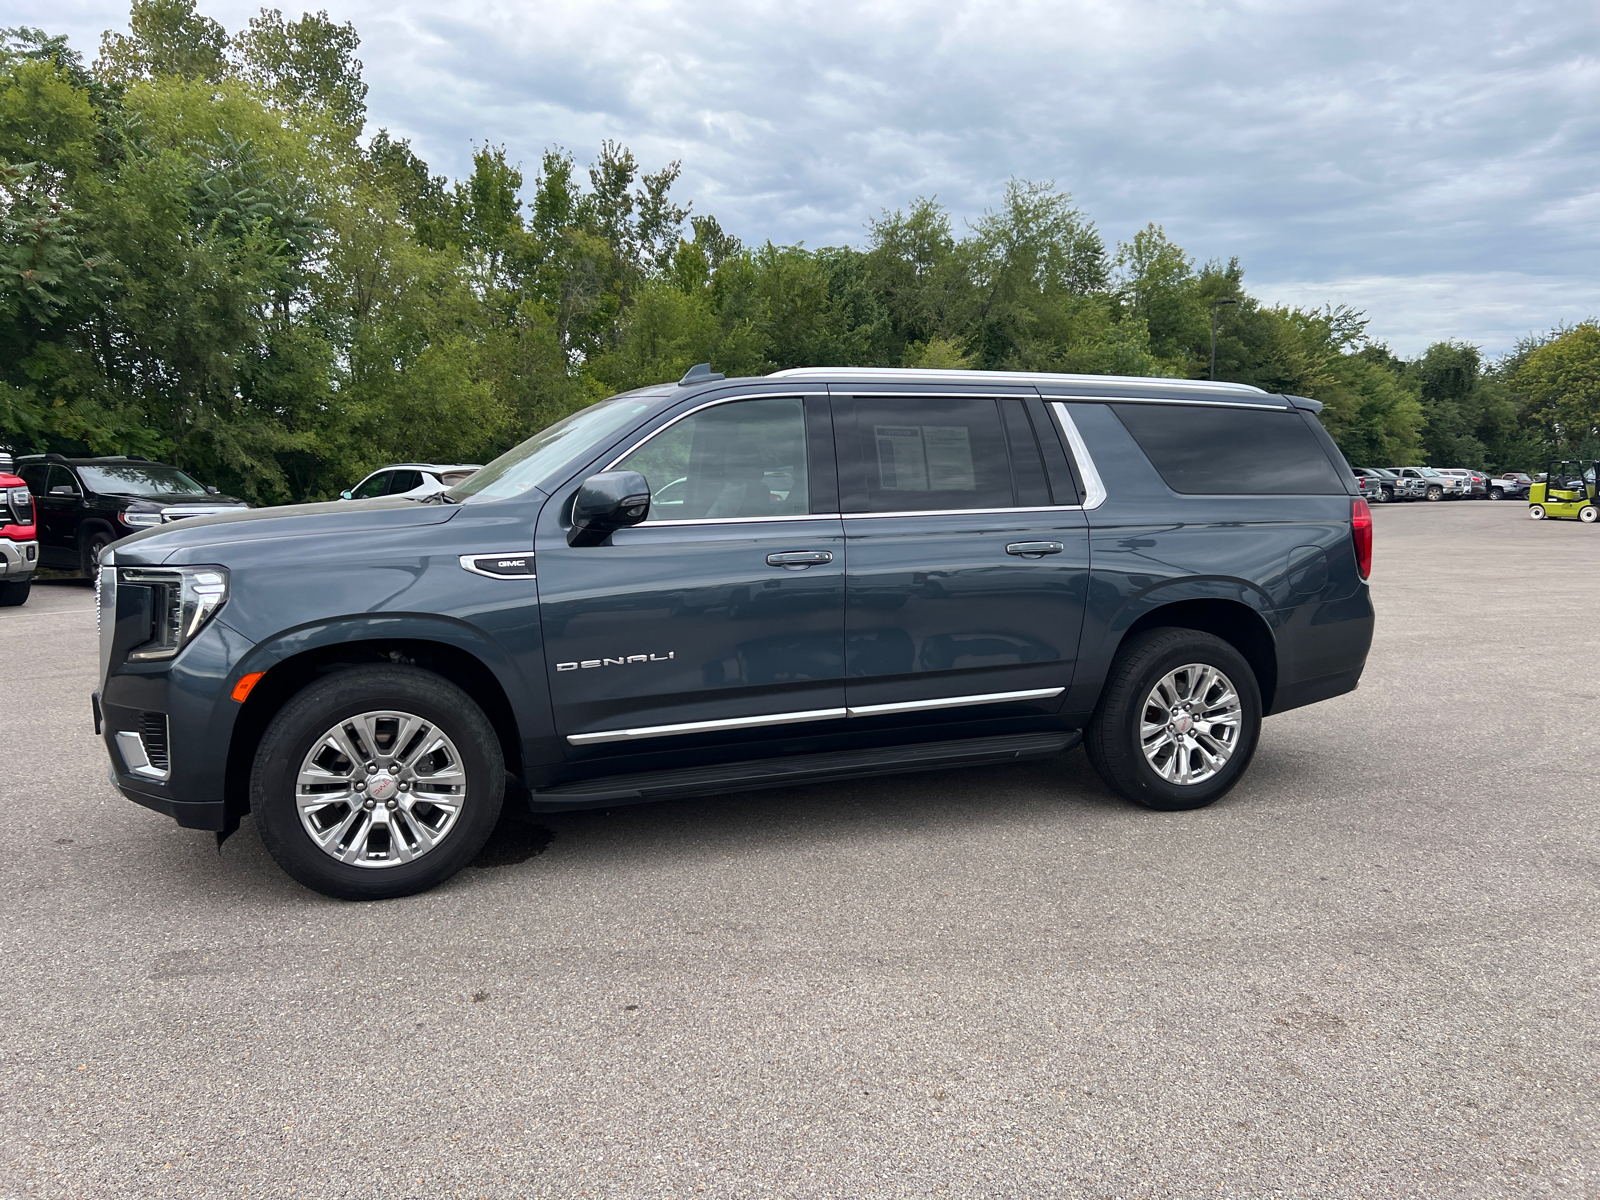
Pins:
<point x="699" y="373"/>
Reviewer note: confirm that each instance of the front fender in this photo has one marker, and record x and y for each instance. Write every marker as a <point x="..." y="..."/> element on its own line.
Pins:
<point x="528" y="698"/>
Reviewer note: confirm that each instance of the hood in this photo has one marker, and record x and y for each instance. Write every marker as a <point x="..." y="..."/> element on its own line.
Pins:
<point x="177" y="499"/>
<point x="7" y="480"/>
<point x="198" y="539"/>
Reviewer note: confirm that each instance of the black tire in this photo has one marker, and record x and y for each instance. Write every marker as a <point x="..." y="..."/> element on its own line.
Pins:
<point x="1436" y="493"/>
<point x="1497" y="494"/>
<point x="1379" y="497"/>
<point x="318" y="708"/>
<point x="93" y="544"/>
<point x="14" y="592"/>
<point x="1112" y="739"/>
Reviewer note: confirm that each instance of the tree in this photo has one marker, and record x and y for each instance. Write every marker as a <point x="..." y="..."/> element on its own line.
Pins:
<point x="1561" y="382"/>
<point x="167" y="37"/>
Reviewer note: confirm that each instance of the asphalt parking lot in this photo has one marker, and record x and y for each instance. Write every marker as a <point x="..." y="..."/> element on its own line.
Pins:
<point x="1371" y="970"/>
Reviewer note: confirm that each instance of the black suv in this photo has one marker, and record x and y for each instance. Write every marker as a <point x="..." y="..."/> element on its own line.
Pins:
<point x="847" y="573"/>
<point x="85" y="504"/>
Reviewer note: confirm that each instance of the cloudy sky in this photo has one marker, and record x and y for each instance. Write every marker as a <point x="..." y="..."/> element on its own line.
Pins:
<point x="1436" y="164"/>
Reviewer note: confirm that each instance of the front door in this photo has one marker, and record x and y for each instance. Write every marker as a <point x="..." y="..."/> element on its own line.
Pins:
<point x="968" y="555"/>
<point x="59" y="514"/>
<point x="721" y="618"/>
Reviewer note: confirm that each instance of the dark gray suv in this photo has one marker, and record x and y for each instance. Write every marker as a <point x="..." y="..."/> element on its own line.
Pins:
<point x="722" y="585"/>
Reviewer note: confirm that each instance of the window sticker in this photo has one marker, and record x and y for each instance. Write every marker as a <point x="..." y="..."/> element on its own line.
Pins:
<point x="925" y="458"/>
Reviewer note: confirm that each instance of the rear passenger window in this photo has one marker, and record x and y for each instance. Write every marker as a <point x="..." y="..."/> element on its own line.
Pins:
<point x="921" y="454"/>
<point x="401" y="482"/>
<point x="1217" y="451"/>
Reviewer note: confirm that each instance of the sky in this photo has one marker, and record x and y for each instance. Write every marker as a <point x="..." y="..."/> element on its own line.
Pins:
<point x="1434" y="164"/>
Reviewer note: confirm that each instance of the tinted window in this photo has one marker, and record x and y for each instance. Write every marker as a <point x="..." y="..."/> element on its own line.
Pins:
<point x="1219" y="451"/>
<point x="377" y="485"/>
<point x="922" y="453"/>
<point x="526" y="466"/>
<point x="130" y="480"/>
<point x="743" y="459"/>
<point x="60" y="477"/>
<point x="33" y="475"/>
<point x="401" y="482"/>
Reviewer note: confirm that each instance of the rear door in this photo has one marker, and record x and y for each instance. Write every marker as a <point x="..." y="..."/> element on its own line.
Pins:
<point x="719" y="619"/>
<point x="967" y="553"/>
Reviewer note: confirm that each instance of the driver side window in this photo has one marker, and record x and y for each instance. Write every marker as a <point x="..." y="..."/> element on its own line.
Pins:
<point x="378" y="485"/>
<point x="746" y="458"/>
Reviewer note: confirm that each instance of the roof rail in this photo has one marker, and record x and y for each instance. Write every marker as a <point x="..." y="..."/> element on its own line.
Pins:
<point x="942" y="375"/>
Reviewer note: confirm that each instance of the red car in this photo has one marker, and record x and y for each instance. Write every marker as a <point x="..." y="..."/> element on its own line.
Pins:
<point x="19" y="545"/>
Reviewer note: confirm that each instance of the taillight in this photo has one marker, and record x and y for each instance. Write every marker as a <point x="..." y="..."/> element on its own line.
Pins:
<point x="1361" y="532"/>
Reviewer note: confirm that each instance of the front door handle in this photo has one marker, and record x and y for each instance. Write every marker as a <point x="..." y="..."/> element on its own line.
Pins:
<point x="1034" y="549"/>
<point x="799" y="560"/>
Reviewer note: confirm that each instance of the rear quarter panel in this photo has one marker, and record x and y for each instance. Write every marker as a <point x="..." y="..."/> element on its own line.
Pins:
<point x="1290" y="559"/>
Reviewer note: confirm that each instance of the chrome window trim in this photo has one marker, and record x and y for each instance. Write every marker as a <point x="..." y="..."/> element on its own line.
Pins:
<point x="736" y="520"/>
<point x="958" y="512"/>
<point x="1094" y="488"/>
<point x="469" y="563"/>
<point x="818" y="714"/>
<point x="1052" y="398"/>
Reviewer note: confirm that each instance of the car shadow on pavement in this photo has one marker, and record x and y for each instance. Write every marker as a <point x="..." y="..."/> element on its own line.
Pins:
<point x="937" y="804"/>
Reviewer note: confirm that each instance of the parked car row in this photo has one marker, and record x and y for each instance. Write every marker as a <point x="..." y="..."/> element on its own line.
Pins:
<point x="1384" y="485"/>
<point x="61" y="512"/>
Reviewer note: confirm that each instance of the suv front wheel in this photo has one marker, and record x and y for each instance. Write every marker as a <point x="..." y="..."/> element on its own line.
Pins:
<point x="1178" y="720"/>
<point x="376" y="782"/>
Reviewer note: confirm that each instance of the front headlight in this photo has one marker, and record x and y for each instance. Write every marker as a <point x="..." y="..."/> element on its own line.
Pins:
<point x="141" y="520"/>
<point x="185" y="598"/>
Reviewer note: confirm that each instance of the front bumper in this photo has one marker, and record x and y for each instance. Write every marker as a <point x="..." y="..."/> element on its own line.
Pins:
<point x="18" y="559"/>
<point x="167" y="727"/>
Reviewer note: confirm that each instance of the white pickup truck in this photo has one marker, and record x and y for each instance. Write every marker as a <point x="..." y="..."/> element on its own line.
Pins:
<point x="1436" y="484"/>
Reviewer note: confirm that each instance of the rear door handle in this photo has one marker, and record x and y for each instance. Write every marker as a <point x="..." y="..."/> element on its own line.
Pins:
<point x="799" y="560"/>
<point x="1034" y="549"/>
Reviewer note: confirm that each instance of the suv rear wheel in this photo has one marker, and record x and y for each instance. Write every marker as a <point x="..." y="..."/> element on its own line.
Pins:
<point x="1178" y="720"/>
<point x="376" y="782"/>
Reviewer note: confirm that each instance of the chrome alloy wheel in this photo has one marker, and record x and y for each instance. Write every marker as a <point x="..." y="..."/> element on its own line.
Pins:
<point x="380" y="789"/>
<point x="1189" y="724"/>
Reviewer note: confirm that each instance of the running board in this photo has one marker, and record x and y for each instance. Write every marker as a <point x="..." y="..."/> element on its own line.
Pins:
<point x="800" y="769"/>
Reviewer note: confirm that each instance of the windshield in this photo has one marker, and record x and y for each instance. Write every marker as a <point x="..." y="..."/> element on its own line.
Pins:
<point x="1427" y="472"/>
<point x="131" y="480"/>
<point x="524" y="467"/>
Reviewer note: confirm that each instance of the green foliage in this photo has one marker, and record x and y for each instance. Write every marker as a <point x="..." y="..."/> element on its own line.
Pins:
<point x="1561" y="381"/>
<point x="200" y="260"/>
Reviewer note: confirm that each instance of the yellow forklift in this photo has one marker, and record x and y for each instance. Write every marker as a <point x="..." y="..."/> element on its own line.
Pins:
<point x="1567" y="491"/>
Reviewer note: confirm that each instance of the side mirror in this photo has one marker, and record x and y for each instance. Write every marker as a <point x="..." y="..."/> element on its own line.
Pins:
<point x="64" y="489"/>
<point x="344" y="495"/>
<point x="606" y="502"/>
<point x="211" y="490"/>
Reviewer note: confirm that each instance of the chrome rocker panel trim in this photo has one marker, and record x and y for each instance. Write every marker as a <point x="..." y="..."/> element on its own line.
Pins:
<point x="819" y="714"/>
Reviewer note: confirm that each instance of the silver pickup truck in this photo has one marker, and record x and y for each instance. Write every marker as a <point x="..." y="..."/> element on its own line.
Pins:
<point x="1384" y="486"/>
<point x="1435" y="484"/>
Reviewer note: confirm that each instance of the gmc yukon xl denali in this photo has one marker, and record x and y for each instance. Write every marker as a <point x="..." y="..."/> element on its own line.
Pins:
<point x="846" y="573"/>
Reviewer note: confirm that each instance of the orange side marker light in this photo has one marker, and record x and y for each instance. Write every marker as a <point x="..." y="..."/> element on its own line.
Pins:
<point x="242" y="688"/>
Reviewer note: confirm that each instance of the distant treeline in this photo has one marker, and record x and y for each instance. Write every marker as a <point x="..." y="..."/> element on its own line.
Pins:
<point x="206" y="258"/>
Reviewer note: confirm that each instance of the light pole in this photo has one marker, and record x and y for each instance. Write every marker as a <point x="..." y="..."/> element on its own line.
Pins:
<point x="1215" y="305"/>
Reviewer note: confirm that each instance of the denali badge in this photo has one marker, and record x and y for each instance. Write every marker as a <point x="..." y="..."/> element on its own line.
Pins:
<point x="590" y="663"/>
